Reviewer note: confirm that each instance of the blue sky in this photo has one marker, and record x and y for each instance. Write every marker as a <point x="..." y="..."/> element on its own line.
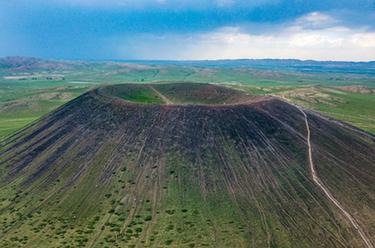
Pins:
<point x="195" y="29"/>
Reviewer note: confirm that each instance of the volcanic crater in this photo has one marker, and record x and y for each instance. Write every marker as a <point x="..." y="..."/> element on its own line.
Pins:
<point x="184" y="165"/>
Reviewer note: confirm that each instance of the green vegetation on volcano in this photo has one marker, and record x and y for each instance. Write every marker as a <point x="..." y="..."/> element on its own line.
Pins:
<point x="146" y="95"/>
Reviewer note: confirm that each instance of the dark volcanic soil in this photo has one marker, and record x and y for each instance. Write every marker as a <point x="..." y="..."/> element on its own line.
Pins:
<point x="230" y="170"/>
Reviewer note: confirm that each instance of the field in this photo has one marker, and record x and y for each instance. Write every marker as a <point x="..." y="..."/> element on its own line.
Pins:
<point x="20" y="106"/>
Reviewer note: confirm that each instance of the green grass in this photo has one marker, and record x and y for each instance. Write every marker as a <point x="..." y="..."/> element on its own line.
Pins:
<point x="21" y="106"/>
<point x="11" y="125"/>
<point x="143" y="96"/>
<point x="357" y="109"/>
<point x="354" y="108"/>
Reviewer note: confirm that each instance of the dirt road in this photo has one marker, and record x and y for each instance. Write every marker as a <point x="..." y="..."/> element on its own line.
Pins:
<point x="329" y="195"/>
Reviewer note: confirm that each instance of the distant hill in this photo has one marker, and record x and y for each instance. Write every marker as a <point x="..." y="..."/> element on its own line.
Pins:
<point x="284" y="64"/>
<point x="183" y="165"/>
<point x="19" y="64"/>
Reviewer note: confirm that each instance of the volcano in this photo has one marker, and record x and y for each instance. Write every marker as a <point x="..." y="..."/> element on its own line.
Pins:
<point x="186" y="165"/>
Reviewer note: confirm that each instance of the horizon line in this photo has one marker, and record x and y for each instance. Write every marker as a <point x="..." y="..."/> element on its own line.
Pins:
<point x="184" y="60"/>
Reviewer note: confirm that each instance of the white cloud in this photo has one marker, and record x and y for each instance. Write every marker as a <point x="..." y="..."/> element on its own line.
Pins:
<point x="316" y="20"/>
<point x="326" y="39"/>
<point x="363" y="39"/>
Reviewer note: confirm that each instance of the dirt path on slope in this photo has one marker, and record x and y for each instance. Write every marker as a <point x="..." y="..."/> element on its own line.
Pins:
<point x="329" y="195"/>
<point x="165" y="99"/>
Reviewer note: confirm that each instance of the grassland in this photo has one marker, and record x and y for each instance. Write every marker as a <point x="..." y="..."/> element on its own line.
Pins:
<point x="354" y="108"/>
<point x="351" y="107"/>
<point x="22" y="103"/>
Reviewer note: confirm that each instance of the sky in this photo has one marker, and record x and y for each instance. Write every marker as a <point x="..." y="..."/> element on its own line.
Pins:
<point x="341" y="30"/>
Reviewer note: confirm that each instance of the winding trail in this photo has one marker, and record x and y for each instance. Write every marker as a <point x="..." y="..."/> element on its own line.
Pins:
<point x="329" y="195"/>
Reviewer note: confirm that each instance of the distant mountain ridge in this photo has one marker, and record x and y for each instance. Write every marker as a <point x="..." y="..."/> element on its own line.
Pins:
<point x="282" y="64"/>
<point x="22" y="63"/>
<point x="17" y="63"/>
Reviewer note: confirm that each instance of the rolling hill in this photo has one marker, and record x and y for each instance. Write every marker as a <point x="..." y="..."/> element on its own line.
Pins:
<point x="186" y="165"/>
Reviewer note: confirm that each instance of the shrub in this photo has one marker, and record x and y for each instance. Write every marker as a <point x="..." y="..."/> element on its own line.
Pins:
<point x="170" y="211"/>
<point x="170" y="227"/>
<point x="169" y="241"/>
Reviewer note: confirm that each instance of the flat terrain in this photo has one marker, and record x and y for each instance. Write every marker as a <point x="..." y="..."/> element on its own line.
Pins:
<point x="158" y="165"/>
<point x="22" y="106"/>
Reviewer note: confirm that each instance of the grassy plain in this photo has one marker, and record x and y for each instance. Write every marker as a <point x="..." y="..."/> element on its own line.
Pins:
<point x="354" y="108"/>
<point x="21" y="105"/>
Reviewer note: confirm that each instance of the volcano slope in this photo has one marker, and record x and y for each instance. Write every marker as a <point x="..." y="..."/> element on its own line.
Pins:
<point x="184" y="165"/>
